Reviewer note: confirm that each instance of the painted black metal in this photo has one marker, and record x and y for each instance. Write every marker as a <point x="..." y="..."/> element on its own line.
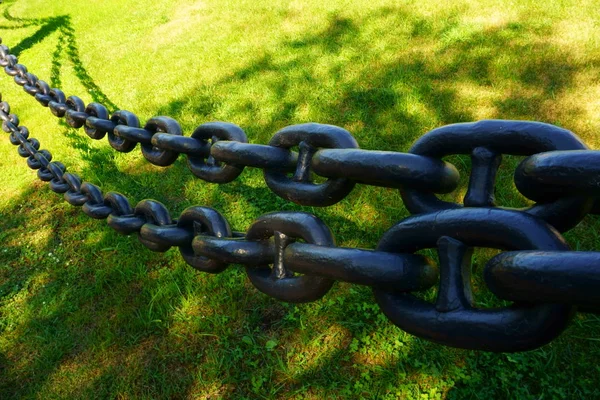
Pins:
<point x="206" y="167"/>
<point x="255" y="155"/>
<point x="155" y="155"/>
<point x="549" y="176"/>
<point x="364" y="267"/>
<point x="386" y="168"/>
<point x="546" y="277"/>
<point x="278" y="281"/>
<point x="203" y="221"/>
<point x="292" y="256"/>
<point x="235" y="250"/>
<point x="93" y="126"/>
<point x="453" y="320"/>
<point x="119" y="143"/>
<point x="485" y="141"/>
<point x="300" y="188"/>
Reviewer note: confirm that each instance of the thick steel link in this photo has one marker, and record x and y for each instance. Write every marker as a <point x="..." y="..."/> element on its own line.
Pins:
<point x="453" y="320"/>
<point x="547" y="177"/>
<point x="547" y="277"/>
<point x="486" y="141"/>
<point x="390" y="271"/>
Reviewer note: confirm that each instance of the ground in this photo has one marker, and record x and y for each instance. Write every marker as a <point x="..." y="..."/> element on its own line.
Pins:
<point x="87" y="313"/>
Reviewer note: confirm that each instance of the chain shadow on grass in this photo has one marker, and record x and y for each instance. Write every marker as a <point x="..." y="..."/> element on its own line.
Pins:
<point x="61" y="24"/>
<point x="123" y="298"/>
<point x="67" y="46"/>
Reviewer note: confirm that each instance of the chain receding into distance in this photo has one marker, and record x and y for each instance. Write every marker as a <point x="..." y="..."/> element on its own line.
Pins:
<point x="292" y="256"/>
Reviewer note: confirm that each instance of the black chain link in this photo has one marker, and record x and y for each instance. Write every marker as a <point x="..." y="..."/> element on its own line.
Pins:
<point x="546" y="281"/>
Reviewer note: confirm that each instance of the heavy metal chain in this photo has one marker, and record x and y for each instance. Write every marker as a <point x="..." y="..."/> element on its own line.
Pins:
<point x="545" y="280"/>
<point x="217" y="152"/>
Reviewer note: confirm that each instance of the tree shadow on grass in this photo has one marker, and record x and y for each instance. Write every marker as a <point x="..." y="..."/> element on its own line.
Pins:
<point x="130" y="322"/>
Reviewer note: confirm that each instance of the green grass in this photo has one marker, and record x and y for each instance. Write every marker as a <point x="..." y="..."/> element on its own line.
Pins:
<point x="86" y="313"/>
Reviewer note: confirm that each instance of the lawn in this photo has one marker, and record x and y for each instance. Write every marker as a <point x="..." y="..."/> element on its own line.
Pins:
<point x="88" y="313"/>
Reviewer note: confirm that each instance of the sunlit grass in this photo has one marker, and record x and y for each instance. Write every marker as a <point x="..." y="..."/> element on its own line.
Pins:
<point x="86" y="313"/>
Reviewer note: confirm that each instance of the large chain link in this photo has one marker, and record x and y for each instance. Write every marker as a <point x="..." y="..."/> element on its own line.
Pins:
<point x="292" y="256"/>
